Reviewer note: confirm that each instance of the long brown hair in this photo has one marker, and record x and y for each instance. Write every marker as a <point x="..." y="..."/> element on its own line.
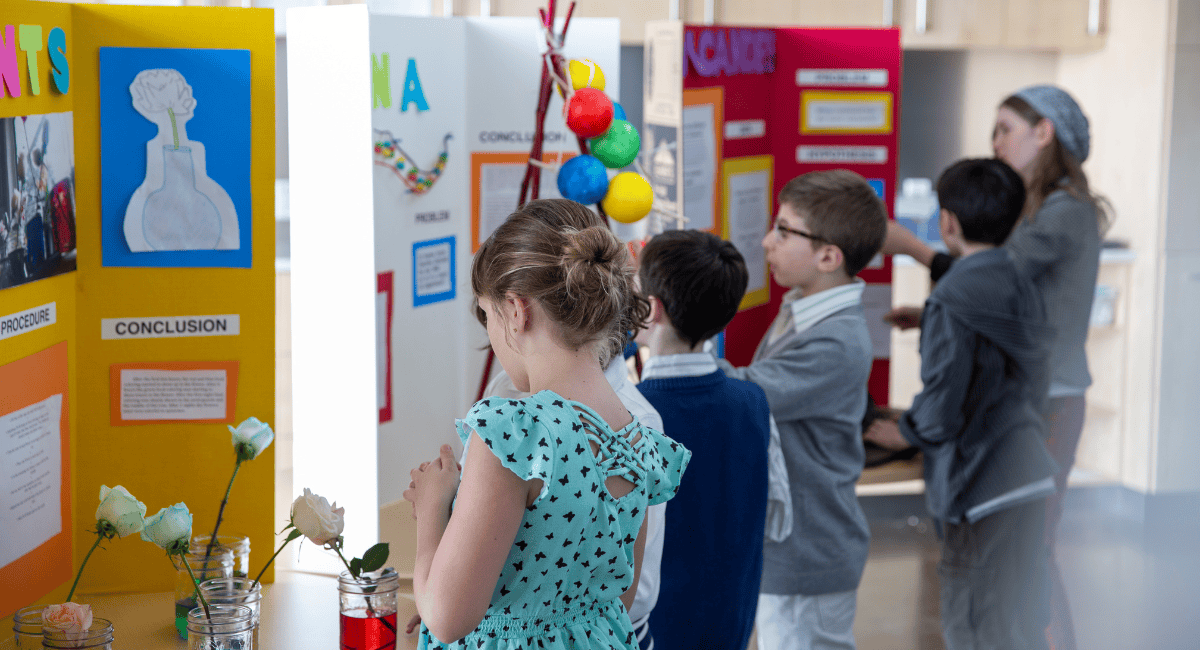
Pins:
<point x="1055" y="168"/>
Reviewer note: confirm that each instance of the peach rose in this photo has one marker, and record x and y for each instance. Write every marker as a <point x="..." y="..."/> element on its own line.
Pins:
<point x="68" y="620"/>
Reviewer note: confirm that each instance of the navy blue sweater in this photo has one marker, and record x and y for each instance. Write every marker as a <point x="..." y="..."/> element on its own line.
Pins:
<point x="713" y="549"/>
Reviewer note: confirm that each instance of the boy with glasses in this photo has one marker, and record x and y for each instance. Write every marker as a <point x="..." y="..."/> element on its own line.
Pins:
<point x="813" y="364"/>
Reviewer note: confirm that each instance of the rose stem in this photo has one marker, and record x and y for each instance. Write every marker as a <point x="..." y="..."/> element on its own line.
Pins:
<point x="264" y="569"/>
<point x="212" y="541"/>
<point x="200" y="596"/>
<point x="99" y="538"/>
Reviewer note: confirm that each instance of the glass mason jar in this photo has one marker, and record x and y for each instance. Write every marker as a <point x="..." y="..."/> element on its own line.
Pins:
<point x="223" y="627"/>
<point x="27" y="627"/>
<point x="97" y="637"/>
<point x="368" y="610"/>
<point x="239" y="545"/>
<point x="217" y="565"/>
<point x="235" y="591"/>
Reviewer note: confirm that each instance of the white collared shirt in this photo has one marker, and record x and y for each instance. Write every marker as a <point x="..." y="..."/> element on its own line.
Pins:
<point x="798" y="312"/>
<point x="779" y="493"/>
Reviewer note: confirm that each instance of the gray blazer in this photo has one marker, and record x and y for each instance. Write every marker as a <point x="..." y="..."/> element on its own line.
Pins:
<point x="815" y="382"/>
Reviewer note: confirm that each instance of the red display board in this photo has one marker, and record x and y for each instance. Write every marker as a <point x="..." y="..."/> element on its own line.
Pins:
<point x="732" y="114"/>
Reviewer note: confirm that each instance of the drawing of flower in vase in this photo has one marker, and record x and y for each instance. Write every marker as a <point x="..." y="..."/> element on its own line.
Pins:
<point x="177" y="207"/>
<point x="387" y="153"/>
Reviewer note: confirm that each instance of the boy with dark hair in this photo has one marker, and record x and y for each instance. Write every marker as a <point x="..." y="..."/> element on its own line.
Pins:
<point x="984" y="350"/>
<point x="813" y="364"/>
<point x="712" y="554"/>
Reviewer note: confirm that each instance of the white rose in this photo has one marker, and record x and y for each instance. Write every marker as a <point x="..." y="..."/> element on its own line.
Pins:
<point x="251" y="437"/>
<point x="316" y="519"/>
<point x="121" y="510"/>
<point x="169" y="528"/>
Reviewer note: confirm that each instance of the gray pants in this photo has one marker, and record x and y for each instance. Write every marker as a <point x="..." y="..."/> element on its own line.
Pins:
<point x="995" y="586"/>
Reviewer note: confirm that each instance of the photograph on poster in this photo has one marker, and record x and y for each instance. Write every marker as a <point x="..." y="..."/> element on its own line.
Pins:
<point x="175" y="157"/>
<point x="37" y="197"/>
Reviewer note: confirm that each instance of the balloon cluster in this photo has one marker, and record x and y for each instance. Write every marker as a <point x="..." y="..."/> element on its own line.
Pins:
<point x="614" y="144"/>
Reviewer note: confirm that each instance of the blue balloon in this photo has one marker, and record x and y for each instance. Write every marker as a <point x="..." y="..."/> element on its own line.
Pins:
<point x="583" y="179"/>
<point x="618" y="112"/>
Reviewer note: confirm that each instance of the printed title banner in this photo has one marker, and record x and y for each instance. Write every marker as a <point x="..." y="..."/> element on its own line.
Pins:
<point x="166" y="327"/>
<point x="28" y="320"/>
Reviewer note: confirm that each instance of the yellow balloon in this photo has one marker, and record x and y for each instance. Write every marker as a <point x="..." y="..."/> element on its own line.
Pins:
<point x="629" y="197"/>
<point x="585" y="74"/>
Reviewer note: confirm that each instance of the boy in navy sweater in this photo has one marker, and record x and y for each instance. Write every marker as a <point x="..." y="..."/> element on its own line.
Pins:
<point x="713" y="549"/>
<point x="984" y="350"/>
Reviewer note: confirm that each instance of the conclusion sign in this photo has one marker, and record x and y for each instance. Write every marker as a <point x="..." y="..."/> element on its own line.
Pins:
<point x="165" y="327"/>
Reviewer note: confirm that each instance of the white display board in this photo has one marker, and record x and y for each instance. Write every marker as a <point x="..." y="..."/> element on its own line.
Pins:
<point x="445" y="105"/>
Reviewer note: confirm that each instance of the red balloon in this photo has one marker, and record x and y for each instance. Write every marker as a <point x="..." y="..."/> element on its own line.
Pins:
<point x="589" y="113"/>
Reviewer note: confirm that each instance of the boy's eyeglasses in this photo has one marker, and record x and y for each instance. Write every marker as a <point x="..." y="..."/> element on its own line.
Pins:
<point x="782" y="231"/>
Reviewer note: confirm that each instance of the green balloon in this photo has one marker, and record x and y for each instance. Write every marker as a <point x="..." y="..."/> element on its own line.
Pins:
<point x="619" y="145"/>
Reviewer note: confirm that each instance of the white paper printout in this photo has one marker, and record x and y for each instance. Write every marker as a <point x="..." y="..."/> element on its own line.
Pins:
<point x="31" y="478"/>
<point x="434" y="269"/>
<point x="173" y="394"/>
<point x="499" y="190"/>
<point x="699" y="165"/>
<point x="748" y="219"/>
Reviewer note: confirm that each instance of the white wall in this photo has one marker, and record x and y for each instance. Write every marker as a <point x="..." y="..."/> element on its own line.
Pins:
<point x="1178" y="442"/>
<point x="1123" y="88"/>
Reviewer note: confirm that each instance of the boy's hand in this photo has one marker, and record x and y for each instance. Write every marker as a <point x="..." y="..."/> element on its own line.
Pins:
<point x="903" y="317"/>
<point x="886" y="434"/>
<point x="434" y="483"/>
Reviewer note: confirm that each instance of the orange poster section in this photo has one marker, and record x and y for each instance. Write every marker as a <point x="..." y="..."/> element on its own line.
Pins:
<point x="23" y="383"/>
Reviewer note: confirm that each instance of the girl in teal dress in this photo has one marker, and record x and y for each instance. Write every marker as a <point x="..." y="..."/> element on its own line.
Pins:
<point x="537" y="542"/>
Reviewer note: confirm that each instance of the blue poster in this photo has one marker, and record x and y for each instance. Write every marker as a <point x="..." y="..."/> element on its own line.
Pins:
<point x="175" y="157"/>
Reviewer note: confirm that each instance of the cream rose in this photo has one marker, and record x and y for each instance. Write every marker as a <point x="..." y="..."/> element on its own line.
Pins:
<point x="70" y="620"/>
<point x="316" y="519"/>
<point x="169" y="528"/>
<point x="251" y="437"/>
<point x="120" y="510"/>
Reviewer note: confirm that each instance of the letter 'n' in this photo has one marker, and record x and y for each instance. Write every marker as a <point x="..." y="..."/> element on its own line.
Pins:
<point x="9" y="70"/>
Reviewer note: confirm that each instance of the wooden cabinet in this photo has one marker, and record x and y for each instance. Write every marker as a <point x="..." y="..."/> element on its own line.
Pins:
<point x="803" y="13"/>
<point x="1066" y="25"/>
<point x="941" y="24"/>
<point x="633" y="13"/>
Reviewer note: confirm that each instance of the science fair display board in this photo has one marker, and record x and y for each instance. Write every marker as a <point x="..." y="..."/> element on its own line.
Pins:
<point x="136" y="280"/>
<point x="409" y="138"/>
<point x="731" y="114"/>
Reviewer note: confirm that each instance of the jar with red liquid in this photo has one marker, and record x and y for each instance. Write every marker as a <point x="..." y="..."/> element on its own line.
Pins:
<point x="368" y="609"/>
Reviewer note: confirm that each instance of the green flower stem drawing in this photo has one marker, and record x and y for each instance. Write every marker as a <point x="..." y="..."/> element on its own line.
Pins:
<point x="174" y="128"/>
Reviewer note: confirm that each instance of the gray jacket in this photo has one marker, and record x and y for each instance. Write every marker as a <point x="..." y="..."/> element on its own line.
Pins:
<point x="815" y="382"/>
<point x="978" y="418"/>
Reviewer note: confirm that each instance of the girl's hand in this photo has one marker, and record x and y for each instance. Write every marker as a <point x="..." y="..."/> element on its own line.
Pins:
<point x="434" y="483"/>
<point x="412" y="624"/>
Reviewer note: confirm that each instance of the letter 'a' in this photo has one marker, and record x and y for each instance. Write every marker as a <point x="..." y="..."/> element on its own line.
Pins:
<point x="412" y="89"/>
